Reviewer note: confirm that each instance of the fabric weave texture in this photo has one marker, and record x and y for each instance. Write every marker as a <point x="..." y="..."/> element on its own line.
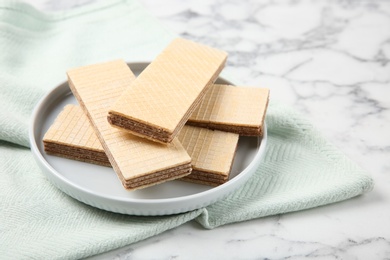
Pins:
<point x="300" y="169"/>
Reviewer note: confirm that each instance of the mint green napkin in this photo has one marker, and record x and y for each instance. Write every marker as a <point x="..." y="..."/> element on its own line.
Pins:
<point x="301" y="169"/>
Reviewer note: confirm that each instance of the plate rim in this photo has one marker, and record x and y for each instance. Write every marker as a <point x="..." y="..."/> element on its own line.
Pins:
<point x="215" y="192"/>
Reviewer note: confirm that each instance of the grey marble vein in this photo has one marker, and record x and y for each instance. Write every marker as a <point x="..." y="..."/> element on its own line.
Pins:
<point x="330" y="61"/>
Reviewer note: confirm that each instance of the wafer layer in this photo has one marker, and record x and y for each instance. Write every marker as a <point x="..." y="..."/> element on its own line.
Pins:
<point x="138" y="163"/>
<point x="234" y="109"/>
<point x="71" y="136"/>
<point x="162" y="98"/>
<point x="212" y="152"/>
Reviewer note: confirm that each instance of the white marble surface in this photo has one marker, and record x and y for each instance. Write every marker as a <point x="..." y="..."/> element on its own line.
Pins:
<point x="330" y="61"/>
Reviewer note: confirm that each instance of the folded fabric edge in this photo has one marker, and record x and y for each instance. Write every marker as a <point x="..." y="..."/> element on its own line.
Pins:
<point x="359" y="182"/>
<point x="173" y="221"/>
<point x="206" y="221"/>
<point x="324" y="145"/>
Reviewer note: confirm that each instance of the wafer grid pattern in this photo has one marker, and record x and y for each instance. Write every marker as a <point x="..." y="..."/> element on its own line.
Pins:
<point x="168" y="87"/>
<point x="40" y="222"/>
<point x="210" y="151"/>
<point x="96" y="87"/>
<point x="225" y="104"/>
<point x="71" y="127"/>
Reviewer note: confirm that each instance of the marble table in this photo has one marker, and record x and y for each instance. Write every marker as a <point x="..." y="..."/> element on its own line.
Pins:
<point x="330" y="61"/>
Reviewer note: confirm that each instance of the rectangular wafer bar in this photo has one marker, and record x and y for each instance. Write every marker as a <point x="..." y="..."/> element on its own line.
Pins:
<point x="212" y="152"/>
<point x="138" y="162"/>
<point x="234" y="109"/>
<point x="162" y="98"/>
<point x="72" y="136"/>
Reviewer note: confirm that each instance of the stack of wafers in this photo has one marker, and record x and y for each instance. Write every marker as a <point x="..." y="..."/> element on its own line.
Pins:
<point x="171" y="122"/>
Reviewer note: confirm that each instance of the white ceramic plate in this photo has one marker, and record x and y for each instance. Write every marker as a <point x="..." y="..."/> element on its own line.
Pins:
<point x="99" y="186"/>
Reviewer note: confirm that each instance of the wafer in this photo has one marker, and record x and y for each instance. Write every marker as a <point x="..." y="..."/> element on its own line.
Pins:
<point x="71" y="136"/>
<point x="162" y="98"/>
<point x="234" y="109"/>
<point x="212" y="152"/>
<point x="138" y="162"/>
